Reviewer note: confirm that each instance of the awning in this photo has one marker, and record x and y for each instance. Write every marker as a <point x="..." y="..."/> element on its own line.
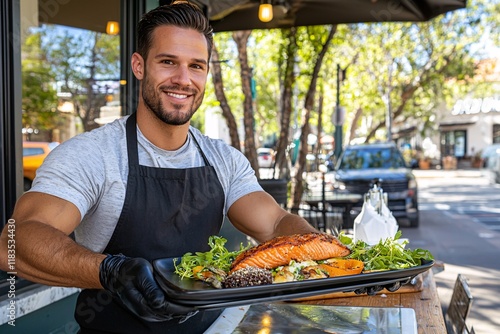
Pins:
<point x="458" y="121"/>
<point x="227" y="15"/>
<point x="449" y="125"/>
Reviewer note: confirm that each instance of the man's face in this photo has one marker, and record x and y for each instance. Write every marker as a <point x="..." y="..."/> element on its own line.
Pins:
<point x="175" y="73"/>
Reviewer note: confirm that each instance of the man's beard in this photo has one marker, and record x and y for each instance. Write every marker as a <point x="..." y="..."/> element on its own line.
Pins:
<point x="153" y="102"/>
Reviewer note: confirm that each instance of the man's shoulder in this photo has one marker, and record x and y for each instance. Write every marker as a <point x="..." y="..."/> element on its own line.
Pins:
<point x="100" y="142"/>
<point x="209" y="141"/>
<point x="110" y="132"/>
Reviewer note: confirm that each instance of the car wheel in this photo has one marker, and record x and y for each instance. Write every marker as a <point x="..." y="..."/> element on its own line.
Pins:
<point x="414" y="221"/>
<point x="27" y="184"/>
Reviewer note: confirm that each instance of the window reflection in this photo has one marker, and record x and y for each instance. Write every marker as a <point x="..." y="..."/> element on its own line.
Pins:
<point x="70" y="69"/>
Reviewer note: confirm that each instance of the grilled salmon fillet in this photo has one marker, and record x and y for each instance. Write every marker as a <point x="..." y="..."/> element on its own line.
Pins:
<point x="299" y="247"/>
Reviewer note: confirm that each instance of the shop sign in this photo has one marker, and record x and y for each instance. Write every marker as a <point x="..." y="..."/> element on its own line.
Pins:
<point x="475" y="106"/>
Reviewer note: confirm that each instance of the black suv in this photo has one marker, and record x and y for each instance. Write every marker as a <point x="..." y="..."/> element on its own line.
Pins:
<point x="360" y="166"/>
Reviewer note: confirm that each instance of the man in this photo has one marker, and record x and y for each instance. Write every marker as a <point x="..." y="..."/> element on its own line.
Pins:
<point x="144" y="187"/>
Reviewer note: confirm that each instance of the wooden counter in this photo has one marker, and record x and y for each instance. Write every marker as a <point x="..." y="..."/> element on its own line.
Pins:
<point x="425" y="302"/>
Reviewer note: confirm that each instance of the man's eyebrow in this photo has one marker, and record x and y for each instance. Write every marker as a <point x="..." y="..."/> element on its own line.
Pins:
<point x="168" y="55"/>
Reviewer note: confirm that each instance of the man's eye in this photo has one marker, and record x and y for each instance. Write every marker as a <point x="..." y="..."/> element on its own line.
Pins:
<point x="198" y="67"/>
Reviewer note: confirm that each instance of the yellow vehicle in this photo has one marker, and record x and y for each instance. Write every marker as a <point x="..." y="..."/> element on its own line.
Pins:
<point x="33" y="155"/>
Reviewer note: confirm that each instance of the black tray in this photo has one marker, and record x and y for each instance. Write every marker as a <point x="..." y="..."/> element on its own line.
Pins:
<point x="200" y="294"/>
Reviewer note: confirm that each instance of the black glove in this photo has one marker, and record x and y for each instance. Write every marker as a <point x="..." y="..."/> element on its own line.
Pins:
<point x="131" y="280"/>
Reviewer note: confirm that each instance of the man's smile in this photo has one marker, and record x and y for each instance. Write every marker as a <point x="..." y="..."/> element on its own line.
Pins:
<point x="178" y="95"/>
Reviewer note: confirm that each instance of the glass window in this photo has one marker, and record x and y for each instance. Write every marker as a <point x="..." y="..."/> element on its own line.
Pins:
<point x="70" y="69"/>
<point x="496" y="133"/>
<point x="372" y="157"/>
<point x="453" y="143"/>
<point x="70" y="77"/>
<point x="460" y="144"/>
<point x="29" y="151"/>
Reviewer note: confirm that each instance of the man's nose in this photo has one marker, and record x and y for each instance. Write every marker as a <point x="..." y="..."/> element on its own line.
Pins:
<point x="182" y="76"/>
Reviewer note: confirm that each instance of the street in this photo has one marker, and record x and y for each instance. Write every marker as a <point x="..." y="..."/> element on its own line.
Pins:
<point x="460" y="225"/>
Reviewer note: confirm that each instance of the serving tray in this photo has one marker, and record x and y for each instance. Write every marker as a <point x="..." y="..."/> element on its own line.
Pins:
<point x="201" y="295"/>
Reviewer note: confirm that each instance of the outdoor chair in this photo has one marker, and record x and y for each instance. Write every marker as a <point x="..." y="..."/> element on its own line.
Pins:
<point x="458" y="310"/>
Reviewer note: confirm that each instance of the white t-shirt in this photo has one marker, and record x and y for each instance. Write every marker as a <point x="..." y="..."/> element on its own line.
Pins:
<point x="91" y="169"/>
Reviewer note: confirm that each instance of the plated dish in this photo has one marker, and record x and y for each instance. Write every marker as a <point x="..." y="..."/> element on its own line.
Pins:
<point x="201" y="295"/>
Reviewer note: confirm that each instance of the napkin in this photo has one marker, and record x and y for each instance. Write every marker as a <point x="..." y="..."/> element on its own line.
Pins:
<point x="375" y="222"/>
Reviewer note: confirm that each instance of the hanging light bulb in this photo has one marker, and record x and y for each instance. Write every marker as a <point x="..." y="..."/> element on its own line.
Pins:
<point x="112" y="28"/>
<point x="265" y="11"/>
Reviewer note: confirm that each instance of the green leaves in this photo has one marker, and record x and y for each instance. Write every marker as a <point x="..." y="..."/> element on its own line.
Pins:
<point x="388" y="254"/>
<point x="218" y="257"/>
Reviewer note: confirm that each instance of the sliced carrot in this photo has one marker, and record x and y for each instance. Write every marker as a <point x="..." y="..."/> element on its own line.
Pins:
<point x="342" y="267"/>
<point x="202" y="273"/>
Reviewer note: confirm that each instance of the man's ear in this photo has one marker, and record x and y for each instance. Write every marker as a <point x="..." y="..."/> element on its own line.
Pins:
<point x="137" y="63"/>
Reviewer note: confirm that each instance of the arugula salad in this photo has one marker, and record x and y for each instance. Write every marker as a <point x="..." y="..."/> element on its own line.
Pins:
<point x="388" y="254"/>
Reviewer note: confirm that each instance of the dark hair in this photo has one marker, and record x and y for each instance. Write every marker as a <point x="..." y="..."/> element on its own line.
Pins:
<point x="179" y="14"/>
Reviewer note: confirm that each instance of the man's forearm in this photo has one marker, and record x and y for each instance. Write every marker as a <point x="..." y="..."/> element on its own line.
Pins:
<point x="293" y="224"/>
<point x="46" y="255"/>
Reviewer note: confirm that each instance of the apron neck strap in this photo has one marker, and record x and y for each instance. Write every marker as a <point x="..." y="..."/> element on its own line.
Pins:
<point x="131" y="127"/>
<point x="199" y="149"/>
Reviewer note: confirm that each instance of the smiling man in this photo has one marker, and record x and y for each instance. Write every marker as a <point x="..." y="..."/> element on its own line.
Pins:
<point x="144" y="187"/>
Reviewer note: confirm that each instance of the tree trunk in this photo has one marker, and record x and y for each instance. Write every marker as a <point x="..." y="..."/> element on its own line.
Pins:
<point x="354" y="124"/>
<point x="221" y="97"/>
<point x="298" y="185"/>
<point x="286" y="102"/>
<point x="241" y="39"/>
<point x="318" y="147"/>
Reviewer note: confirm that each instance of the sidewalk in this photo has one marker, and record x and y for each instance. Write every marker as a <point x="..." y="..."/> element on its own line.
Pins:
<point x="448" y="173"/>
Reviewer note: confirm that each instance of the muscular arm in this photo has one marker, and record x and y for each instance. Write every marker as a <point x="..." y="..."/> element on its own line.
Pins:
<point x="44" y="251"/>
<point x="259" y="216"/>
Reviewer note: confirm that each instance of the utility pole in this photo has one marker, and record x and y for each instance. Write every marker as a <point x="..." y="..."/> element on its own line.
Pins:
<point x="388" y="118"/>
<point x="339" y="117"/>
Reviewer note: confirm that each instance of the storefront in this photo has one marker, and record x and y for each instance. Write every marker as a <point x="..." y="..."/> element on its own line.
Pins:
<point x="471" y="125"/>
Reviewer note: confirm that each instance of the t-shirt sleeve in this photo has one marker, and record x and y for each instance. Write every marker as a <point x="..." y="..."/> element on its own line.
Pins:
<point x="242" y="179"/>
<point x="73" y="171"/>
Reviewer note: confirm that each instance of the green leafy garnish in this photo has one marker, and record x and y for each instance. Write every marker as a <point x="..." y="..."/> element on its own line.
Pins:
<point x="388" y="254"/>
<point x="217" y="257"/>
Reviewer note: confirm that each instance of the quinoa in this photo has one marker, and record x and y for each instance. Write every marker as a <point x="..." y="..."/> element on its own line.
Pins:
<point x="248" y="276"/>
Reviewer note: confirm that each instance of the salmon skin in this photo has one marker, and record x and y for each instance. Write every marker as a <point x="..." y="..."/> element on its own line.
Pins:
<point x="281" y="250"/>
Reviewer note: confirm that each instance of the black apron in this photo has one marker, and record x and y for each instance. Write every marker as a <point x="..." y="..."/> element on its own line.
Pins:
<point x="167" y="212"/>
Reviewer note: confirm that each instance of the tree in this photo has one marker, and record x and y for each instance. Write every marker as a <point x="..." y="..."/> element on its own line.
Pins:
<point x="39" y="96"/>
<point x="406" y="67"/>
<point x="221" y="96"/>
<point x="286" y="64"/>
<point x="319" y="48"/>
<point x="86" y="64"/>
<point x="241" y="39"/>
<point x="410" y="68"/>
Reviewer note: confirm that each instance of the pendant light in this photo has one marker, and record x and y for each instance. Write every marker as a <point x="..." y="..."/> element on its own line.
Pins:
<point x="112" y="28"/>
<point x="265" y="11"/>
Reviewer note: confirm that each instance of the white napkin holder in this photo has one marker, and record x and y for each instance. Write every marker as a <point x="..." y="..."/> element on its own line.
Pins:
<point x="375" y="222"/>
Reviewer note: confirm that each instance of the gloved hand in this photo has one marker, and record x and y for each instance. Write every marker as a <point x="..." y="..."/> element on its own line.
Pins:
<point x="131" y="280"/>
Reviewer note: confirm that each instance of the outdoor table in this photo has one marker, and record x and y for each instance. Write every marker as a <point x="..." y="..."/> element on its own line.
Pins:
<point x="425" y="301"/>
<point x="412" y="309"/>
<point x="335" y="200"/>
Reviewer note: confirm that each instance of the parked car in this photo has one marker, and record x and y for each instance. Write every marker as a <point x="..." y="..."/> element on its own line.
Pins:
<point x="360" y="166"/>
<point x="491" y="161"/>
<point x="33" y="155"/>
<point x="330" y="161"/>
<point x="265" y="157"/>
